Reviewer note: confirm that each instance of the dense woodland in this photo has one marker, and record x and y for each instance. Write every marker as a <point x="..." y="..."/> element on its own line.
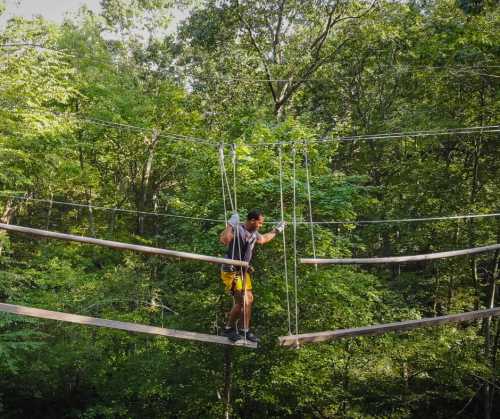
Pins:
<point x="111" y="126"/>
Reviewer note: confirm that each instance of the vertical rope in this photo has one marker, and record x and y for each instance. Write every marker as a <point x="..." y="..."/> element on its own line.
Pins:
<point x="224" y="176"/>
<point x="237" y="236"/>
<point x="222" y="171"/>
<point x="280" y="158"/>
<point x="234" y="178"/>
<point x="294" y="175"/>
<point x="224" y="179"/>
<point x="306" y="160"/>
<point x="234" y="208"/>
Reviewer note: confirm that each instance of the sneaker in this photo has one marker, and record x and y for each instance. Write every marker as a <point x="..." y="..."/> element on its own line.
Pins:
<point x="250" y="336"/>
<point x="231" y="334"/>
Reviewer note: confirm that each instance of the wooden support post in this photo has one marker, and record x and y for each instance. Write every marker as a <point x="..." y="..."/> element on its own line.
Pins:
<point x="120" y="245"/>
<point x="379" y="329"/>
<point x="113" y="324"/>
<point x="400" y="259"/>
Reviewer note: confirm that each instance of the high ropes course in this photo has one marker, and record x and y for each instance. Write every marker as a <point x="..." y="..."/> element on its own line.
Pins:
<point x="399" y="259"/>
<point x="131" y="327"/>
<point x="292" y="340"/>
<point x="229" y="198"/>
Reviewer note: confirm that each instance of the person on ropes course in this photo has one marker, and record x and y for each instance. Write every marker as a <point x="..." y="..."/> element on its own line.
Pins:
<point x="240" y="239"/>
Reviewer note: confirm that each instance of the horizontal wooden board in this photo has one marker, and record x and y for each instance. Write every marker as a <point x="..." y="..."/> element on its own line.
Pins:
<point x="120" y="245"/>
<point x="399" y="259"/>
<point x="378" y="329"/>
<point x="113" y="324"/>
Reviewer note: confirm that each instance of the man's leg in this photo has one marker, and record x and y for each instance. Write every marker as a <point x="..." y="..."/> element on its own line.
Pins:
<point x="231" y="284"/>
<point x="246" y="313"/>
<point x="247" y="317"/>
<point x="236" y="311"/>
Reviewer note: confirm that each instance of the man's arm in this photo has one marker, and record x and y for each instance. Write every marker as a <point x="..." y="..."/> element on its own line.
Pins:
<point x="227" y="235"/>
<point x="266" y="238"/>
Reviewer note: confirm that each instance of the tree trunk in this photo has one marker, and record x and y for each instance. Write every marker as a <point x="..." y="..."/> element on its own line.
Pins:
<point x="475" y="280"/>
<point x="6" y="218"/>
<point x="146" y="177"/>
<point x="88" y="195"/>
<point x="156" y="218"/>
<point x="472" y="232"/>
<point x="279" y="110"/>
<point x="88" y="191"/>
<point x="91" y="213"/>
<point x="112" y="223"/>
<point x="227" y="380"/>
<point x="436" y="291"/>
<point x="49" y="211"/>
<point x="451" y="282"/>
<point x="494" y="379"/>
<point x="489" y="341"/>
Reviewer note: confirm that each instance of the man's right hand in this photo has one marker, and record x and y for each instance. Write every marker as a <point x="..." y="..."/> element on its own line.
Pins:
<point x="278" y="228"/>
<point x="234" y="220"/>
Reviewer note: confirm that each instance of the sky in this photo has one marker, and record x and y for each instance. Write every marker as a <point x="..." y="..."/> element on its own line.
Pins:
<point x="55" y="10"/>
<point x="50" y="9"/>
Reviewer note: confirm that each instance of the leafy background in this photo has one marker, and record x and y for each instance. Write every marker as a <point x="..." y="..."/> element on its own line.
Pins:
<point x="249" y="73"/>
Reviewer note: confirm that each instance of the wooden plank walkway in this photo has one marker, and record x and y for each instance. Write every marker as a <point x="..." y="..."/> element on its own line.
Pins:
<point x="120" y="245"/>
<point x="399" y="259"/>
<point x="293" y="340"/>
<point x="113" y="324"/>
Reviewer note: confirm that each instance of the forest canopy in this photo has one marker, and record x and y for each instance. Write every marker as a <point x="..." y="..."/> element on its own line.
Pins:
<point x="113" y="125"/>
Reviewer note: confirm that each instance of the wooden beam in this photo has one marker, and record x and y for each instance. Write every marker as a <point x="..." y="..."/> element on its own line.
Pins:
<point x="113" y="324"/>
<point x="400" y="259"/>
<point x="379" y="329"/>
<point x="120" y="245"/>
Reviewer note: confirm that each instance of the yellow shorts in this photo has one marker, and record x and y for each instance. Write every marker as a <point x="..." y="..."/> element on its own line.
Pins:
<point x="233" y="282"/>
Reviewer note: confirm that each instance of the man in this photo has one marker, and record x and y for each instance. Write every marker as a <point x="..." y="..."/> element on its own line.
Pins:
<point x="240" y="239"/>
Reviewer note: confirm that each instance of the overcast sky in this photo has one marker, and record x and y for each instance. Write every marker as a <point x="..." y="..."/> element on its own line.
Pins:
<point x="55" y="10"/>
<point x="50" y="9"/>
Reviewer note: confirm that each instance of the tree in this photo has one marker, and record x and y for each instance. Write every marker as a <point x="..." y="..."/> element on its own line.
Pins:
<point x="289" y="41"/>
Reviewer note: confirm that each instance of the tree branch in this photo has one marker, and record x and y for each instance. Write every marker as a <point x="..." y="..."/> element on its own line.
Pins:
<point x="308" y="72"/>
<point x="291" y="87"/>
<point x="276" y="39"/>
<point x="469" y="402"/>
<point x="258" y="49"/>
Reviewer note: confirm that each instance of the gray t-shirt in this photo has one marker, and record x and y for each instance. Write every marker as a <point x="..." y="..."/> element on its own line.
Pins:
<point x="241" y="247"/>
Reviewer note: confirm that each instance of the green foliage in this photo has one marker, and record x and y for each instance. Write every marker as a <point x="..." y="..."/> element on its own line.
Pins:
<point x="15" y="342"/>
<point x="114" y="113"/>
